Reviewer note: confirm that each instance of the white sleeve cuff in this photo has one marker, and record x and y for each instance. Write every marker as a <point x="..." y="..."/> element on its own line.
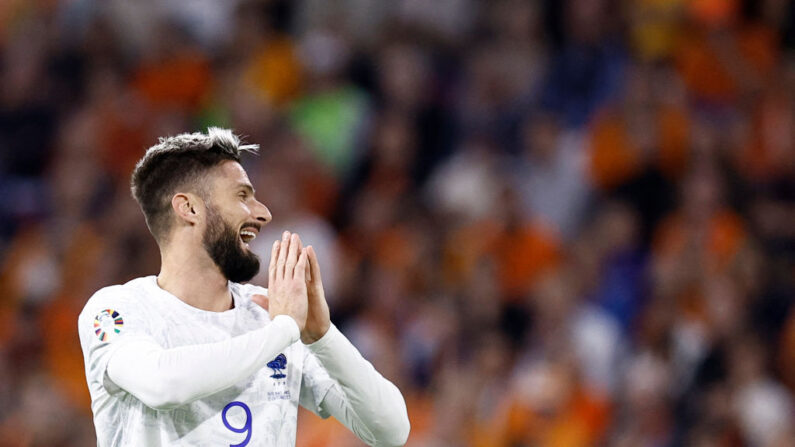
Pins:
<point x="288" y="325"/>
<point x="330" y="339"/>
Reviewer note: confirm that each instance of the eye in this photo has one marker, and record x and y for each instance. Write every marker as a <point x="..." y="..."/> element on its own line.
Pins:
<point x="243" y="195"/>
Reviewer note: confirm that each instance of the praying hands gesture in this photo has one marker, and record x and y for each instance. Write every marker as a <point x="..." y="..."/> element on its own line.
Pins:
<point x="295" y="287"/>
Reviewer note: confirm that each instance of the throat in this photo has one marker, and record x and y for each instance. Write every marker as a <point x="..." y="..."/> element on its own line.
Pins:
<point x="198" y="294"/>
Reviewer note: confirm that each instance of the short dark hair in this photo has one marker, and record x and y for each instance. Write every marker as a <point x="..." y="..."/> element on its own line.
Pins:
<point x="179" y="162"/>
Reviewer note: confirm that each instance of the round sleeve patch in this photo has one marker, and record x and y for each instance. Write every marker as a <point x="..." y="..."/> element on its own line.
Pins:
<point x="108" y="324"/>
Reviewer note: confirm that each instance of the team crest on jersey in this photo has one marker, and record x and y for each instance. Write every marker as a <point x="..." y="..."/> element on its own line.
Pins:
<point x="108" y="324"/>
<point x="278" y="365"/>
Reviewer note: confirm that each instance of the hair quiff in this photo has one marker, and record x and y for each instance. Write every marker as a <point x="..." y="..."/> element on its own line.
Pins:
<point x="176" y="163"/>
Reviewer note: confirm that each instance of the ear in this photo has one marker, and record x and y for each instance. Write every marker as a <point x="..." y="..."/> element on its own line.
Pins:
<point x="188" y="207"/>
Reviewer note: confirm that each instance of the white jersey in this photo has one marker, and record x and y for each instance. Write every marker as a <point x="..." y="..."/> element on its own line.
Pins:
<point x="258" y="411"/>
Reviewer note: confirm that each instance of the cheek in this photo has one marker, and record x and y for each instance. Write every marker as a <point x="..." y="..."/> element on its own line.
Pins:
<point x="233" y="213"/>
<point x="245" y="209"/>
<point x="235" y="208"/>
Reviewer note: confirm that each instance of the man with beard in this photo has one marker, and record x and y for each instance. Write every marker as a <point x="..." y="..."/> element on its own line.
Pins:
<point x="193" y="356"/>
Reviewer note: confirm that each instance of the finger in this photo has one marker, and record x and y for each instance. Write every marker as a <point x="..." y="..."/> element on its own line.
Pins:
<point x="292" y="257"/>
<point x="314" y="265"/>
<point x="301" y="265"/>
<point x="284" y="247"/>
<point x="272" y="265"/>
<point x="300" y="247"/>
<point x="299" y="244"/>
<point x="260" y="300"/>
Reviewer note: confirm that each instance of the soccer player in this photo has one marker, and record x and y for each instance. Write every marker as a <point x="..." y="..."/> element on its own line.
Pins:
<point x="195" y="357"/>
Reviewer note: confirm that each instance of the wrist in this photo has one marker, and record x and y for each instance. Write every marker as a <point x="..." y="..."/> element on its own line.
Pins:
<point x="309" y="337"/>
<point x="288" y="324"/>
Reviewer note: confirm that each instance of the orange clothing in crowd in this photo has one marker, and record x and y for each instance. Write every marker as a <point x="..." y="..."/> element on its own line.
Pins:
<point x="772" y="141"/>
<point x="580" y="423"/>
<point x="62" y="352"/>
<point x="522" y="256"/>
<point x="715" y="67"/>
<point x="786" y="354"/>
<point x="421" y="415"/>
<point x="182" y="82"/>
<point x="20" y="259"/>
<point x="615" y="158"/>
<point x="121" y="141"/>
<point x="63" y="355"/>
<point x="722" y="239"/>
<point x="464" y="248"/>
<point x="318" y="432"/>
<point x="276" y="72"/>
<point x="656" y="27"/>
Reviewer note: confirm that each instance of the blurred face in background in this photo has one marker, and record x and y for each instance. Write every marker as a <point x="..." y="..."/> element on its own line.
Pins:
<point x="540" y="134"/>
<point x="702" y="194"/>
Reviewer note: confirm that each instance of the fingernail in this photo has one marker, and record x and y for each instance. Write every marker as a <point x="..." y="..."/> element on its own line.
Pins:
<point x="285" y="235"/>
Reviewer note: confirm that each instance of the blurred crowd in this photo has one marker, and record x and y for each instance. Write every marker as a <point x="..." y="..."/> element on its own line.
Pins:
<point x="551" y="223"/>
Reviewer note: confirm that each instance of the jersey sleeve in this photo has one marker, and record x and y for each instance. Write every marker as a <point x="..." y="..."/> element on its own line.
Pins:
<point x="110" y="319"/>
<point x="362" y="399"/>
<point x="315" y="384"/>
<point x="169" y="378"/>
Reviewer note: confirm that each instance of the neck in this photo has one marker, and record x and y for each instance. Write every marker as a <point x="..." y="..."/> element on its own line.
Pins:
<point x="193" y="277"/>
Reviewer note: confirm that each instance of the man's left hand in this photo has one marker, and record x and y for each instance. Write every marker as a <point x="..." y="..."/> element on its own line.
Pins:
<point x="317" y="318"/>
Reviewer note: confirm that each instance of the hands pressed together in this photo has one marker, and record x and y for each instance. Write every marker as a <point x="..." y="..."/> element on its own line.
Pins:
<point x="295" y="287"/>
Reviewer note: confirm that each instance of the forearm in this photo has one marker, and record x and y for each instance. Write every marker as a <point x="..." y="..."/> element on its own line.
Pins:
<point x="368" y="404"/>
<point x="167" y="378"/>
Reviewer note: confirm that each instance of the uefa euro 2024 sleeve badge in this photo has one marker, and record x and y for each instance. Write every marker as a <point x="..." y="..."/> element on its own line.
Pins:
<point x="108" y="324"/>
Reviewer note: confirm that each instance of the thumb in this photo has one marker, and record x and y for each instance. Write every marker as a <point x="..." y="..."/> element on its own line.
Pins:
<point x="260" y="300"/>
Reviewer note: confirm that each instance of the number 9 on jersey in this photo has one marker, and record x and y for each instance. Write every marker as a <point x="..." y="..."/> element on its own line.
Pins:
<point x="246" y="428"/>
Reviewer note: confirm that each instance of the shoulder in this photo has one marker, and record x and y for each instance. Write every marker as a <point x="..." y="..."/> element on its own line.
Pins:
<point x="121" y="296"/>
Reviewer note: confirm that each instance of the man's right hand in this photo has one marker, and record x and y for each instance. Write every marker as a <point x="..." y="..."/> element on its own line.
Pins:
<point x="287" y="294"/>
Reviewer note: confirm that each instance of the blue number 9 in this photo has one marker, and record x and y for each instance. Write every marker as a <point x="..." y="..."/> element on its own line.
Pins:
<point x="246" y="426"/>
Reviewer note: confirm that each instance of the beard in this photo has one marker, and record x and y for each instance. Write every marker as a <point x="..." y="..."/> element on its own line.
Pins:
<point x="223" y="245"/>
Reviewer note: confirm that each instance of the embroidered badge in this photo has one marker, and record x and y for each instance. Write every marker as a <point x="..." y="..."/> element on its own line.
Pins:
<point x="107" y="324"/>
<point x="277" y="365"/>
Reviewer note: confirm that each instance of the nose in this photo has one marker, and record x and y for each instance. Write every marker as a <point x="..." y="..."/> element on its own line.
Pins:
<point x="262" y="213"/>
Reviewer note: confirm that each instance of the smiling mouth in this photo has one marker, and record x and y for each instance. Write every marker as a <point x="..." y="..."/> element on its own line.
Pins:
<point x="247" y="235"/>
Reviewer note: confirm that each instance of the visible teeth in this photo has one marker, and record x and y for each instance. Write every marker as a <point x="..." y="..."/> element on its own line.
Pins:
<point x="249" y="234"/>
